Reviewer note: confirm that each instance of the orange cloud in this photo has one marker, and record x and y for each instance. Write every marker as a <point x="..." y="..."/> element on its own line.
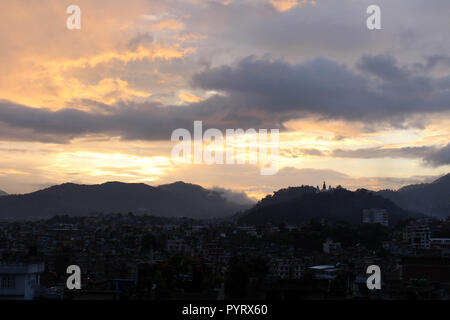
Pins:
<point x="286" y="5"/>
<point x="51" y="63"/>
<point x="108" y="91"/>
<point x="157" y="51"/>
<point x="188" y="97"/>
<point x="55" y="82"/>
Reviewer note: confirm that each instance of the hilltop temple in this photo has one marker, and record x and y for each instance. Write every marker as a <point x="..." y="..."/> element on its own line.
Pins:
<point x="324" y="188"/>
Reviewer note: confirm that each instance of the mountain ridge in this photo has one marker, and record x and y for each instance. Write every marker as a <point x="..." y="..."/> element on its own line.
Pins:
<point x="430" y="198"/>
<point x="80" y="199"/>
<point x="300" y="204"/>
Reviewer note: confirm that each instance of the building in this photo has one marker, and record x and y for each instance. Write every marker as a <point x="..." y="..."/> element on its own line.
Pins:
<point x="331" y="247"/>
<point x="375" y="215"/>
<point x="287" y="268"/>
<point x="19" y="281"/>
<point x="214" y="252"/>
<point x="324" y="188"/>
<point x="176" y="245"/>
<point x="417" y="236"/>
<point x="440" y="243"/>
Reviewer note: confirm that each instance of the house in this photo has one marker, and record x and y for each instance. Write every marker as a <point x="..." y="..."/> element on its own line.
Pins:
<point x="19" y="281"/>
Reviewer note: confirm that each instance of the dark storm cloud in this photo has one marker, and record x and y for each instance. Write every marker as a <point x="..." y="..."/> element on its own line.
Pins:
<point x="329" y="89"/>
<point x="258" y="93"/>
<point x="440" y="157"/>
<point x="383" y="66"/>
<point x="130" y="121"/>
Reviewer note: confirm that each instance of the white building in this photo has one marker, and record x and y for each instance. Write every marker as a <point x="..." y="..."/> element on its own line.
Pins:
<point x="19" y="281"/>
<point x="375" y="215"/>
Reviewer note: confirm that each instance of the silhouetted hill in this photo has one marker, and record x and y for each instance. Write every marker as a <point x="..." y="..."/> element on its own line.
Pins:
<point x="3" y="193"/>
<point x="429" y="198"/>
<point x="295" y="205"/>
<point x="174" y="200"/>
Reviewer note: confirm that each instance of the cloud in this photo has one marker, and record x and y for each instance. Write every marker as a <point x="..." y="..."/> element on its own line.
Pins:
<point x="432" y="155"/>
<point x="379" y="152"/>
<point x="188" y="97"/>
<point x="434" y="61"/>
<point x="235" y="196"/>
<point x="55" y="65"/>
<point x="284" y="5"/>
<point x="383" y="66"/>
<point x="139" y="39"/>
<point x="440" y="157"/>
<point x="170" y="24"/>
<point x="298" y="152"/>
<point x="255" y="93"/>
<point x="328" y="88"/>
<point x="131" y="121"/>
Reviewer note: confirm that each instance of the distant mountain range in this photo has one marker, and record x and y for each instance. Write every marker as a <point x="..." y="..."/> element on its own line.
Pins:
<point x="429" y="198"/>
<point x="300" y="204"/>
<point x="3" y="193"/>
<point x="179" y="199"/>
<point x="172" y="200"/>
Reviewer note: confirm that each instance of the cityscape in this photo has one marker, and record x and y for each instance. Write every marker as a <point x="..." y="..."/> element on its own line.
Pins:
<point x="126" y="256"/>
<point x="225" y="158"/>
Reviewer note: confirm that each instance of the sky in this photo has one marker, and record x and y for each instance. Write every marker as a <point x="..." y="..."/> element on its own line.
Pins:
<point x="355" y="107"/>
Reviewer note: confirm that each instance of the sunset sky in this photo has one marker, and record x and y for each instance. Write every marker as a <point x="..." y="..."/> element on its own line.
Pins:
<point x="354" y="107"/>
